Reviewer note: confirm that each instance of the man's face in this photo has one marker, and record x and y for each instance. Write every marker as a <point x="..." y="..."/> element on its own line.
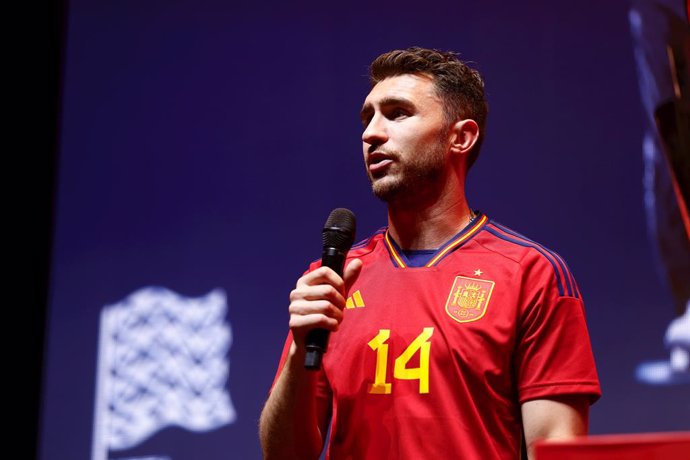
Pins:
<point x="404" y="139"/>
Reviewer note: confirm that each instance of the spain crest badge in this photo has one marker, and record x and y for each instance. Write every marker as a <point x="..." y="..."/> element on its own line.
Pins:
<point x="469" y="299"/>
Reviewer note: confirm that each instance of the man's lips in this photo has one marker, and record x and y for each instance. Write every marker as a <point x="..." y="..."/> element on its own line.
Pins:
<point x="378" y="161"/>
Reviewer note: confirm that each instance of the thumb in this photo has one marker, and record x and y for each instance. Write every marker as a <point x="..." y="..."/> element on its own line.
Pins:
<point x="351" y="273"/>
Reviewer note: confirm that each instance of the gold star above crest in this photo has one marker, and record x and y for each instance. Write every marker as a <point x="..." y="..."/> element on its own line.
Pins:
<point x="478" y="272"/>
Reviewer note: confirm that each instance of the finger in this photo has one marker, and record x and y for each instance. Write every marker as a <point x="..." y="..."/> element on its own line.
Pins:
<point x="322" y="275"/>
<point x="307" y="322"/>
<point x="351" y="273"/>
<point x="321" y="307"/>
<point x="319" y="292"/>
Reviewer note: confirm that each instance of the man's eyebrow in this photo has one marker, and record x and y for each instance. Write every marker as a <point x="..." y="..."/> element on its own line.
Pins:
<point x="367" y="108"/>
<point x="395" y="101"/>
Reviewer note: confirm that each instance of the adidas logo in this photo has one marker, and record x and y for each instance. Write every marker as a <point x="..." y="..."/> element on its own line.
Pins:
<point x="355" y="300"/>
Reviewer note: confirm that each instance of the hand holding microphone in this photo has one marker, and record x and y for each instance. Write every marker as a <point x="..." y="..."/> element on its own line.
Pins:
<point x="338" y="235"/>
<point x="319" y="297"/>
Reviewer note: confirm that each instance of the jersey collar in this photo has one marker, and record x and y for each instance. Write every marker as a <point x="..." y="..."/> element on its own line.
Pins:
<point x="471" y="229"/>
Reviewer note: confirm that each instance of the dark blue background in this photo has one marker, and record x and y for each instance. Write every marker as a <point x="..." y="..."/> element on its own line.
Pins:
<point x="203" y="145"/>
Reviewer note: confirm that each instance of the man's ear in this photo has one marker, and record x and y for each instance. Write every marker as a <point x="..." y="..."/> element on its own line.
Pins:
<point x="463" y="135"/>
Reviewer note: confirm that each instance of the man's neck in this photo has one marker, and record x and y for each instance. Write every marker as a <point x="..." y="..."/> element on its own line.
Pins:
<point x="428" y="226"/>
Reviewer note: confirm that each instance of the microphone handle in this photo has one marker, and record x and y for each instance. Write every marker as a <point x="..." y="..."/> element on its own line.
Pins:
<point x="317" y="339"/>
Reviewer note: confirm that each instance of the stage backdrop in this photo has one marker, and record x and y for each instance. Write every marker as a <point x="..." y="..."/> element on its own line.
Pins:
<point x="203" y="145"/>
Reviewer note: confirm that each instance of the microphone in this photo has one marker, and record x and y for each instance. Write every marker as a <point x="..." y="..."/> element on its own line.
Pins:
<point x="338" y="235"/>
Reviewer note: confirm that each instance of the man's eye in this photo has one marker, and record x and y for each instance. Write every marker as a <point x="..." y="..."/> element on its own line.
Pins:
<point x="398" y="113"/>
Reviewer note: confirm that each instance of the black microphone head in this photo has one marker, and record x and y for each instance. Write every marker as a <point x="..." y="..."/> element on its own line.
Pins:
<point x="339" y="230"/>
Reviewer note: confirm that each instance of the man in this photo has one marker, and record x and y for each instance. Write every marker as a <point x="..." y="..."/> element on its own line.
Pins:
<point x="451" y="335"/>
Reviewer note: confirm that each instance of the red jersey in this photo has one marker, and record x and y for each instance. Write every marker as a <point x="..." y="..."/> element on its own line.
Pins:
<point x="436" y="360"/>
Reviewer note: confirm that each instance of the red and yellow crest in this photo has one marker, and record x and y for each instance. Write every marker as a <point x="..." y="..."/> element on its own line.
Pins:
<point x="468" y="299"/>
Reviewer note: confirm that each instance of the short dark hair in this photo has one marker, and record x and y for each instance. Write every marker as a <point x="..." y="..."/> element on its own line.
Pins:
<point x="460" y="87"/>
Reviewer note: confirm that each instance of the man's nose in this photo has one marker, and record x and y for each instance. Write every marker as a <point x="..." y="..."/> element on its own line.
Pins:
<point x="375" y="132"/>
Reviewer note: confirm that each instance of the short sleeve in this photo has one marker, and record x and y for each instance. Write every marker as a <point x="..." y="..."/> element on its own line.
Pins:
<point x="553" y="354"/>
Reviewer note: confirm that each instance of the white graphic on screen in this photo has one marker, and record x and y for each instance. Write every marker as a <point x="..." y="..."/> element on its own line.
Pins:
<point x="677" y="368"/>
<point x="162" y="361"/>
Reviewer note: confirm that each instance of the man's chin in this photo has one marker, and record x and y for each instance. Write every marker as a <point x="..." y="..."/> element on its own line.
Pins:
<point x="385" y="189"/>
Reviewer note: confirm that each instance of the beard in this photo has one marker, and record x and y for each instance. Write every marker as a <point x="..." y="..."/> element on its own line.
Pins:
<point x="414" y="179"/>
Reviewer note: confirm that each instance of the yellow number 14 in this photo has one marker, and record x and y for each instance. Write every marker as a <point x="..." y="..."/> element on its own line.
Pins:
<point x="400" y="369"/>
